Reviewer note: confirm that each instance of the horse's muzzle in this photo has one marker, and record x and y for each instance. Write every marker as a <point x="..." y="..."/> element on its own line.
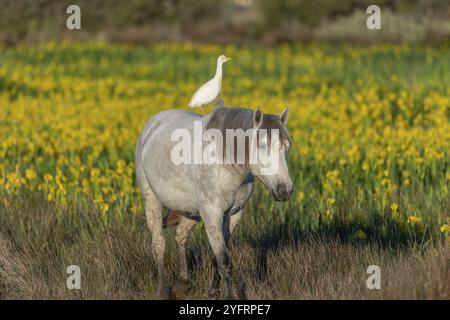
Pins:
<point x="282" y="192"/>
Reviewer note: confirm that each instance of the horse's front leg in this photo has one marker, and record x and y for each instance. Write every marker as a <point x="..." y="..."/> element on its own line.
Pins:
<point x="213" y="291"/>
<point x="218" y="231"/>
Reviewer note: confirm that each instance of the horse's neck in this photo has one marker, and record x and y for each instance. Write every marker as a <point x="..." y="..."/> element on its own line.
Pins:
<point x="237" y="175"/>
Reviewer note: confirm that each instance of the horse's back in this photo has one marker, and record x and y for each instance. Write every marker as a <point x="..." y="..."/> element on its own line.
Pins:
<point x="169" y="118"/>
<point x="173" y="115"/>
<point x="165" y="122"/>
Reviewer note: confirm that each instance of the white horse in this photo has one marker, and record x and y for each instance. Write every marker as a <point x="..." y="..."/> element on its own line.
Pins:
<point x="215" y="193"/>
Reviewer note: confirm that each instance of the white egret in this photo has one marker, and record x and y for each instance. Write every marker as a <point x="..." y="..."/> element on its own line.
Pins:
<point x="208" y="92"/>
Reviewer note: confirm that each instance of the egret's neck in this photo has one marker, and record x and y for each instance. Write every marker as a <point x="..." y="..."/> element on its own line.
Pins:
<point x="218" y="74"/>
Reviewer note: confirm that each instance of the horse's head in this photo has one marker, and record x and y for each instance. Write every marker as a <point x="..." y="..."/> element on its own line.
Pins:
<point x="257" y="142"/>
<point x="269" y="147"/>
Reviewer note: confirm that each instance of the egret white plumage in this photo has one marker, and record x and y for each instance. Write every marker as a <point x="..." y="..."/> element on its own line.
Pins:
<point x="208" y="92"/>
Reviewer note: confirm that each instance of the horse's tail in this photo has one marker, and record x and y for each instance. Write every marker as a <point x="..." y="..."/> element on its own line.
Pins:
<point x="172" y="219"/>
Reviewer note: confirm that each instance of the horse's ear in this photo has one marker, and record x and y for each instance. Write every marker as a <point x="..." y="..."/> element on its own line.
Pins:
<point x="257" y="118"/>
<point x="219" y="104"/>
<point x="284" y="115"/>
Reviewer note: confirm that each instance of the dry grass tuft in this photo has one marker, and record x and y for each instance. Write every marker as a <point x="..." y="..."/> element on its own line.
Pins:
<point x="36" y="247"/>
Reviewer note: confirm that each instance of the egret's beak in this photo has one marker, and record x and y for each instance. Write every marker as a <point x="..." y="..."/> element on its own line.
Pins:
<point x="227" y="59"/>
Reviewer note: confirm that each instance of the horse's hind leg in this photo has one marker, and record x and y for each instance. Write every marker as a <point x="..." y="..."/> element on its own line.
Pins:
<point x="183" y="230"/>
<point x="153" y="213"/>
<point x="182" y="234"/>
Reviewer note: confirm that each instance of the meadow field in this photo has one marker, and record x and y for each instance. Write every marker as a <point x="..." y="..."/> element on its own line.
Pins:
<point x="370" y="163"/>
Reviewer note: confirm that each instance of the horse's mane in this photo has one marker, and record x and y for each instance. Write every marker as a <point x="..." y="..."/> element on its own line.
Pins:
<point x="223" y="118"/>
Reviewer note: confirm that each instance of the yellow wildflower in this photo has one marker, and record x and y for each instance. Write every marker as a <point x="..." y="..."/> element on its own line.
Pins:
<point x="414" y="220"/>
<point x="360" y="235"/>
<point x="300" y="196"/>
<point x="445" y="228"/>
<point x="30" y="174"/>
<point x="394" y="207"/>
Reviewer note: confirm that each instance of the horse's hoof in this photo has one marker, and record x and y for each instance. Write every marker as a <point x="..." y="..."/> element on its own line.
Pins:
<point x="241" y="290"/>
<point x="164" y="294"/>
<point x="180" y="289"/>
<point x="242" y="295"/>
<point x="229" y="297"/>
<point x="213" y="294"/>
